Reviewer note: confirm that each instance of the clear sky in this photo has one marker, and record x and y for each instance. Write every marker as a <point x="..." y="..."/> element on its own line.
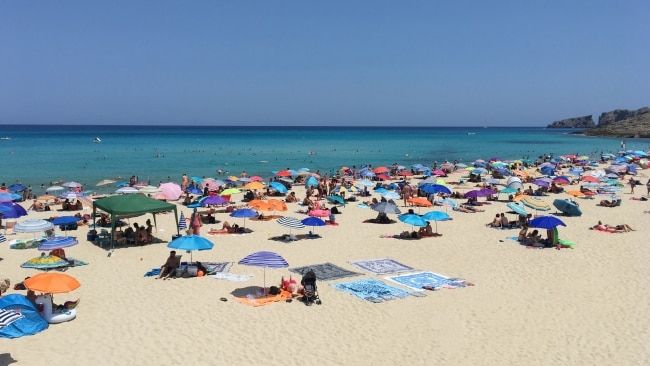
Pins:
<point x="363" y="63"/>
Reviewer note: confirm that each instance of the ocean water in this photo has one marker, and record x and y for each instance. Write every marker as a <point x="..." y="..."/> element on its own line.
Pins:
<point x="39" y="155"/>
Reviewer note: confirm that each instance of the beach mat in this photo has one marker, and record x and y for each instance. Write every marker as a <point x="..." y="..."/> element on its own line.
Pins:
<point x="371" y="290"/>
<point x="325" y="271"/>
<point x="418" y="281"/>
<point x="382" y="266"/>
<point x="285" y="238"/>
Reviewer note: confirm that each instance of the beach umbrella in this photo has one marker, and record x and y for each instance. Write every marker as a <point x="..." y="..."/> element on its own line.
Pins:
<point x="568" y="207"/>
<point x="54" y="189"/>
<point x="420" y="201"/>
<point x="52" y="283"/>
<point x="2" y="238"/>
<point x="244" y="213"/>
<point x="436" y="216"/>
<point x="17" y="187"/>
<point x="9" y="197"/>
<point x="71" y="184"/>
<point x="230" y="191"/>
<point x="254" y="185"/>
<point x="313" y="222"/>
<point x="126" y="190"/>
<point x="171" y="190"/>
<point x="279" y="187"/>
<point x="193" y="190"/>
<point x="45" y="262"/>
<point x="336" y="199"/>
<point x="546" y="222"/>
<point x="386" y="207"/>
<point x="149" y="189"/>
<point x="182" y="222"/>
<point x="589" y="178"/>
<point x="212" y="200"/>
<point x="576" y="193"/>
<point x="508" y="190"/>
<point x="190" y="243"/>
<point x="536" y="203"/>
<point x="260" y="205"/>
<point x="277" y="205"/>
<point x="391" y="195"/>
<point x="266" y="260"/>
<point x="412" y="219"/>
<point x="11" y="210"/>
<point x="58" y="243"/>
<point x="474" y="194"/>
<point x="32" y="226"/>
<point x="104" y="182"/>
<point x="65" y="220"/>
<point x="291" y="223"/>
<point x="517" y="208"/>
<point x="435" y="188"/>
<point x="541" y="183"/>
<point x="380" y="170"/>
<point x="366" y="183"/>
<point x="283" y="173"/>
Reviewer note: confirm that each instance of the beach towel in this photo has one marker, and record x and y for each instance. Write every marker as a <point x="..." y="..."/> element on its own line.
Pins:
<point x="374" y="221"/>
<point x="371" y="290"/>
<point x="24" y="243"/>
<point x="217" y="267"/>
<point x="251" y="300"/>
<point x="417" y="281"/>
<point x="222" y="232"/>
<point x="325" y="271"/>
<point x="153" y="272"/>
<point x="231" y="277"/>
<point x="382" y="266"/>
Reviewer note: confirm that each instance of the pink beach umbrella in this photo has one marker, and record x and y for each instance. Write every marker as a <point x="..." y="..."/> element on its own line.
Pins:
<point x="171" y="190"/>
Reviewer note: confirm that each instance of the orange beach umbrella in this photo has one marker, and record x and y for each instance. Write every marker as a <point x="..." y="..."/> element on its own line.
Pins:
<point x="52" y="283"/>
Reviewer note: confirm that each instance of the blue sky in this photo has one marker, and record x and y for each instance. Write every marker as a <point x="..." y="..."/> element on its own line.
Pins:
<point x="363" y="63"/>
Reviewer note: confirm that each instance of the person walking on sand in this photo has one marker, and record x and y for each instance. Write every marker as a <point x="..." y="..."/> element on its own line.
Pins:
<point x="632" y="184"/>
<point x="647" y="185"/>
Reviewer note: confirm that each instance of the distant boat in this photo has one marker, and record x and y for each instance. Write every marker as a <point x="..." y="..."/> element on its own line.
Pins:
<point x="5" y="138"/>
<point x="97" y="139"/>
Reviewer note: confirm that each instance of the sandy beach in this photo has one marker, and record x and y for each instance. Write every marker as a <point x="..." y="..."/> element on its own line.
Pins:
<point x="582" y="306"/>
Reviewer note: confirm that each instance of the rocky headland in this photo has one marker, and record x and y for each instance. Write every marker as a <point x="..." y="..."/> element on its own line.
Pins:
<point x="617" y="123"/>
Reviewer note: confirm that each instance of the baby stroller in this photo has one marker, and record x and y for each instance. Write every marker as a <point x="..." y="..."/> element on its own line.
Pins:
<point x="311" y="290"/>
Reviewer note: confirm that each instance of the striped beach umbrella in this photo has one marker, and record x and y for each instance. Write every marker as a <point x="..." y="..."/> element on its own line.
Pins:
<point x="182" y="222"/>
<point x="58" y="243"/>
<point x="536" y="203"/>
<point x="32" y="226"/>
<point x="2" y="238"/>
<point x="45" y="262"/>
<point x="291" y="223"/>
<point x="264" y="259"/>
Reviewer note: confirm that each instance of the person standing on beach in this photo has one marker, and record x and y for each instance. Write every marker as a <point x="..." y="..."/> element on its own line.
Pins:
<point x="195" y="222"/>
<point x="184" y="182"/>
<point x="632" y="184"/>
<point x="647" y="185"/>
<point x="406" y="193"/>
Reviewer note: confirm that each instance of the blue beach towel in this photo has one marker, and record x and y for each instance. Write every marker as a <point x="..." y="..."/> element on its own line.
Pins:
<point x="371" y="290"/>
<point x="416" y="281"/>
<point x="153" y="272"/>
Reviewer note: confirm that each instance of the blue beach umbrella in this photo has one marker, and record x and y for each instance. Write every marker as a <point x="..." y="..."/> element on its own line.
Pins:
<point x="279" y="187"/>
<point x="436" y="216"/>
<point x="65" y="220"/>
<point x="194" y="190"/>
<point x="182" y="222"/>
<point x="391" y="195"/>
<point x="435" y="188"/>
<point x="412" y="219"/>
<point x="244" y="213"/>
<point x="546" y="222"/>
<point x="11" y="210"/>
<point x="58" y="243"/>
<point x="336" y="199"/>
<point x="191" y="243"/>
<point x="313" y="222"/>
<point x="17" y="187"/>
<point x="212" y="200"/>
<point x="266" y="260"/>
<point x="517" y="208"/>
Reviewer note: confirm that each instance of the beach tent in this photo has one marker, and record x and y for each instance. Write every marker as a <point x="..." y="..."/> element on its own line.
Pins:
<point x="130" y="204"/>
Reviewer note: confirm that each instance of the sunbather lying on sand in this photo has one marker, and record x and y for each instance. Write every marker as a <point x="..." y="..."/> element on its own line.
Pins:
<point x="622" y="228"/>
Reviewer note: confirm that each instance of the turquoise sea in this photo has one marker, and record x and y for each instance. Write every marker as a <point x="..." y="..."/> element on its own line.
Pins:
<point x="39" y="155"/>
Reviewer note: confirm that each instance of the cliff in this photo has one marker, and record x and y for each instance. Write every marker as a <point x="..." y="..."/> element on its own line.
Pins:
<point x="623" y="123"/>
<point x="577" y="122"/>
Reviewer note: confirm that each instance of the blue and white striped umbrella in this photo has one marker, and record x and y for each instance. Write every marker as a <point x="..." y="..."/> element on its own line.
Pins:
<point x="32" y="226"/>
<point x="291" y="223"/>
<point x="182" y="223"/>
<point x="264" y="259"/>
<point x="2" y="238"/>
<point x="9" y="316"/>
<point x="58" y="243"/>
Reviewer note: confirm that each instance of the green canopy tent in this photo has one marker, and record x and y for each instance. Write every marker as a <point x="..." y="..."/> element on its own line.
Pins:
<point x="130" y="204"/>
